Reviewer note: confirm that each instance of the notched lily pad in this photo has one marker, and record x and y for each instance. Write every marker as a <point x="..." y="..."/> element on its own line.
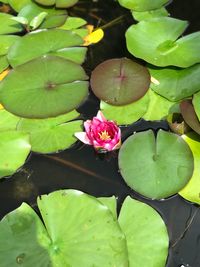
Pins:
<point x="144" y="229"/>
<point x="52" y="87"/>
<point x="156" y="167"/>
<point x="120" y="81"/>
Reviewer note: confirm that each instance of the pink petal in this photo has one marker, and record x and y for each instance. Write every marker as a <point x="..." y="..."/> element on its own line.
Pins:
<point x="82" y="136"/>
<point x="100" y="116"/>
<point x="87" y="125"/>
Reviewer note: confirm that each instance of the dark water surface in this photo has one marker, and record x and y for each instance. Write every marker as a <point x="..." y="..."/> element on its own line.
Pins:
<point x="80" y="168"/>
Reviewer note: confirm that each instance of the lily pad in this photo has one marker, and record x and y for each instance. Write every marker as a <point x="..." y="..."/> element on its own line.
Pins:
<point x="156" y="13"/>
<point x="156" y="167"/>
<point x="18" y="5"/>
<point x="14" y="149"/>
<point x="58" y="3"/>
<point x="196" y="101"/>
<point x="75" y="54"/>
<point x="53" y="86"/>
<point x="73" y="23"/>
<point x="189" y="115"/>
<point x="142" y="5"/>
<point x="159" y="107"/>
<point x="146" y="234"/>
<point x="111" y="203"/>
<point x="8" y="25"/>
<point x="5" y="43"/>
<point x="3" y="63"/>
<point x="38" y="43"/>
<point x="120" y="81"/>
<point x="191" y="191"/>
<point x="126" y="114"/>
<point x="175" y="84"/>
<point x="8" y="121"/>
<point x="64" y="234"/>
<point x="155" y="41"/>
<point x="51" y="135"/>
<point x="54" y="18"/>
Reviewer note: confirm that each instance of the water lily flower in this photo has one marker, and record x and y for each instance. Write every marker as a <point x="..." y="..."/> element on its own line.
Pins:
<point x="102" y="134"/>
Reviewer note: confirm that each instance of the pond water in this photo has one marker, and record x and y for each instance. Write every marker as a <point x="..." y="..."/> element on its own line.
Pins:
<point x="81" y="168"/>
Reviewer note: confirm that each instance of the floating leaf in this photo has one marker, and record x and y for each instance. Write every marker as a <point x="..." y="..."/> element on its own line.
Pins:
<point x="38" y="43"/>
<point x="75" y="54"/>
<point x="3" y="63"/>
<point x="14" y="149"/>
<point x="155" y="41"/>
<point x="111" y="203"/>
<point x="142" y="5"/>
<point x="126" y="114"/>
<point x="156" y="13"/>
<point x="8" y="121"/>
<point x="191" y="191"/>
<point x="176" y="84"/>
<point x="159" y="107"/>
<point x="73" y="223"/>
<point x="58" y="3"/>
<point x="51" y="135"/>
<point x="120" y="81"/>
<point x="52" y="87"/>
<point x="8" y="25"/>
<point x="21" y="20"/>
<point x="37" y="21"/>
<point x="73" y="23"/>
<point x="156" y="167"/>
<point x="146" y="234"/>
<point x="189" y="115"/>
<point x="17" y="5"/>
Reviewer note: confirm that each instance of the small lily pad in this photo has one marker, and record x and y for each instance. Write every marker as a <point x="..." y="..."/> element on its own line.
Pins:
<point x="156" y="167"/>
<point x="155" y="13"/>
<point x="146" y="234"/>
<point x="8" y="25"/>
<point x="156" y="41"/>
<point x="191" y="191"/>
<point x="73" y="23"/>
<point x="142" y="5"/>
<point x="53" y="86"/>
<point x="175" y="84"/>
<point x="120" y="81"/>
<point x="39" y="43"/>
<point x="14" y="149"/>
<point x="126" y="114"/>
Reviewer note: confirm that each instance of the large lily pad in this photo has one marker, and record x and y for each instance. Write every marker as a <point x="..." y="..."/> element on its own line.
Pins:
<point x="5" y="42"/>
<point x="155" y="41"/>
<point x="159" y="107"/>
<point x="76" y="226"/>
<point x="58" y="3"/>
<point x="38" y="43"/>
<point x="156" y="167"/>
<point x="176" y="84"/>
<point x="47" y="87"/>
<point x="146" y="234"/>
<point x="120" y="81"/>
<point x="191" y="191"/>
<point x="8" y="25"/>
<point x="8" y="121"/>
<point x="55" y="17"/>
<point x="14" y="149"/>
<point x="189" y="115"/>
<point x="51" y="135"/>
<point x="126" y="114"/>
<point x="142" y="5"/>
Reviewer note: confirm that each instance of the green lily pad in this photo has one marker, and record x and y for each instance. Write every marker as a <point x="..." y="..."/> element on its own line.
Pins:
<point x="191" y="191"/>
<point x="55" y="17"/>
<point x="18" y="5"/>
<point x="156" y="13"/>
<point x="126" y="114"/>
<point x="5" y="43"/>
<point x="142" y="5"/>
<point x="51" y="135"/>
<point x="73" y="23"/>
<point x="146" y="234"/>
<point x="8" y="121"/>
<point x="175" y="84"/>
<point x="8" y="25"/>
<point x="38" y="43"/>
<point x="58" y="3"/>
<point x="196" y="101"/>
<point x="75" y="54"/>
<point x="155" y="41"/>
<point x="111" y="203"/>
<point x="159" y="107"/>
<point x="156" y="167"/>
<point x="120" y="81"/>
<point x="74" y="224"/>
<point x="189" y="115"/>
<point x="14" y="149"/>
<point x="3" y="63"/>
<point x="48" y="86"/>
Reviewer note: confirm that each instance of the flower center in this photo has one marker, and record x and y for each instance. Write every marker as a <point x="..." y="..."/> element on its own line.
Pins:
<point x="104" y="135"/>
